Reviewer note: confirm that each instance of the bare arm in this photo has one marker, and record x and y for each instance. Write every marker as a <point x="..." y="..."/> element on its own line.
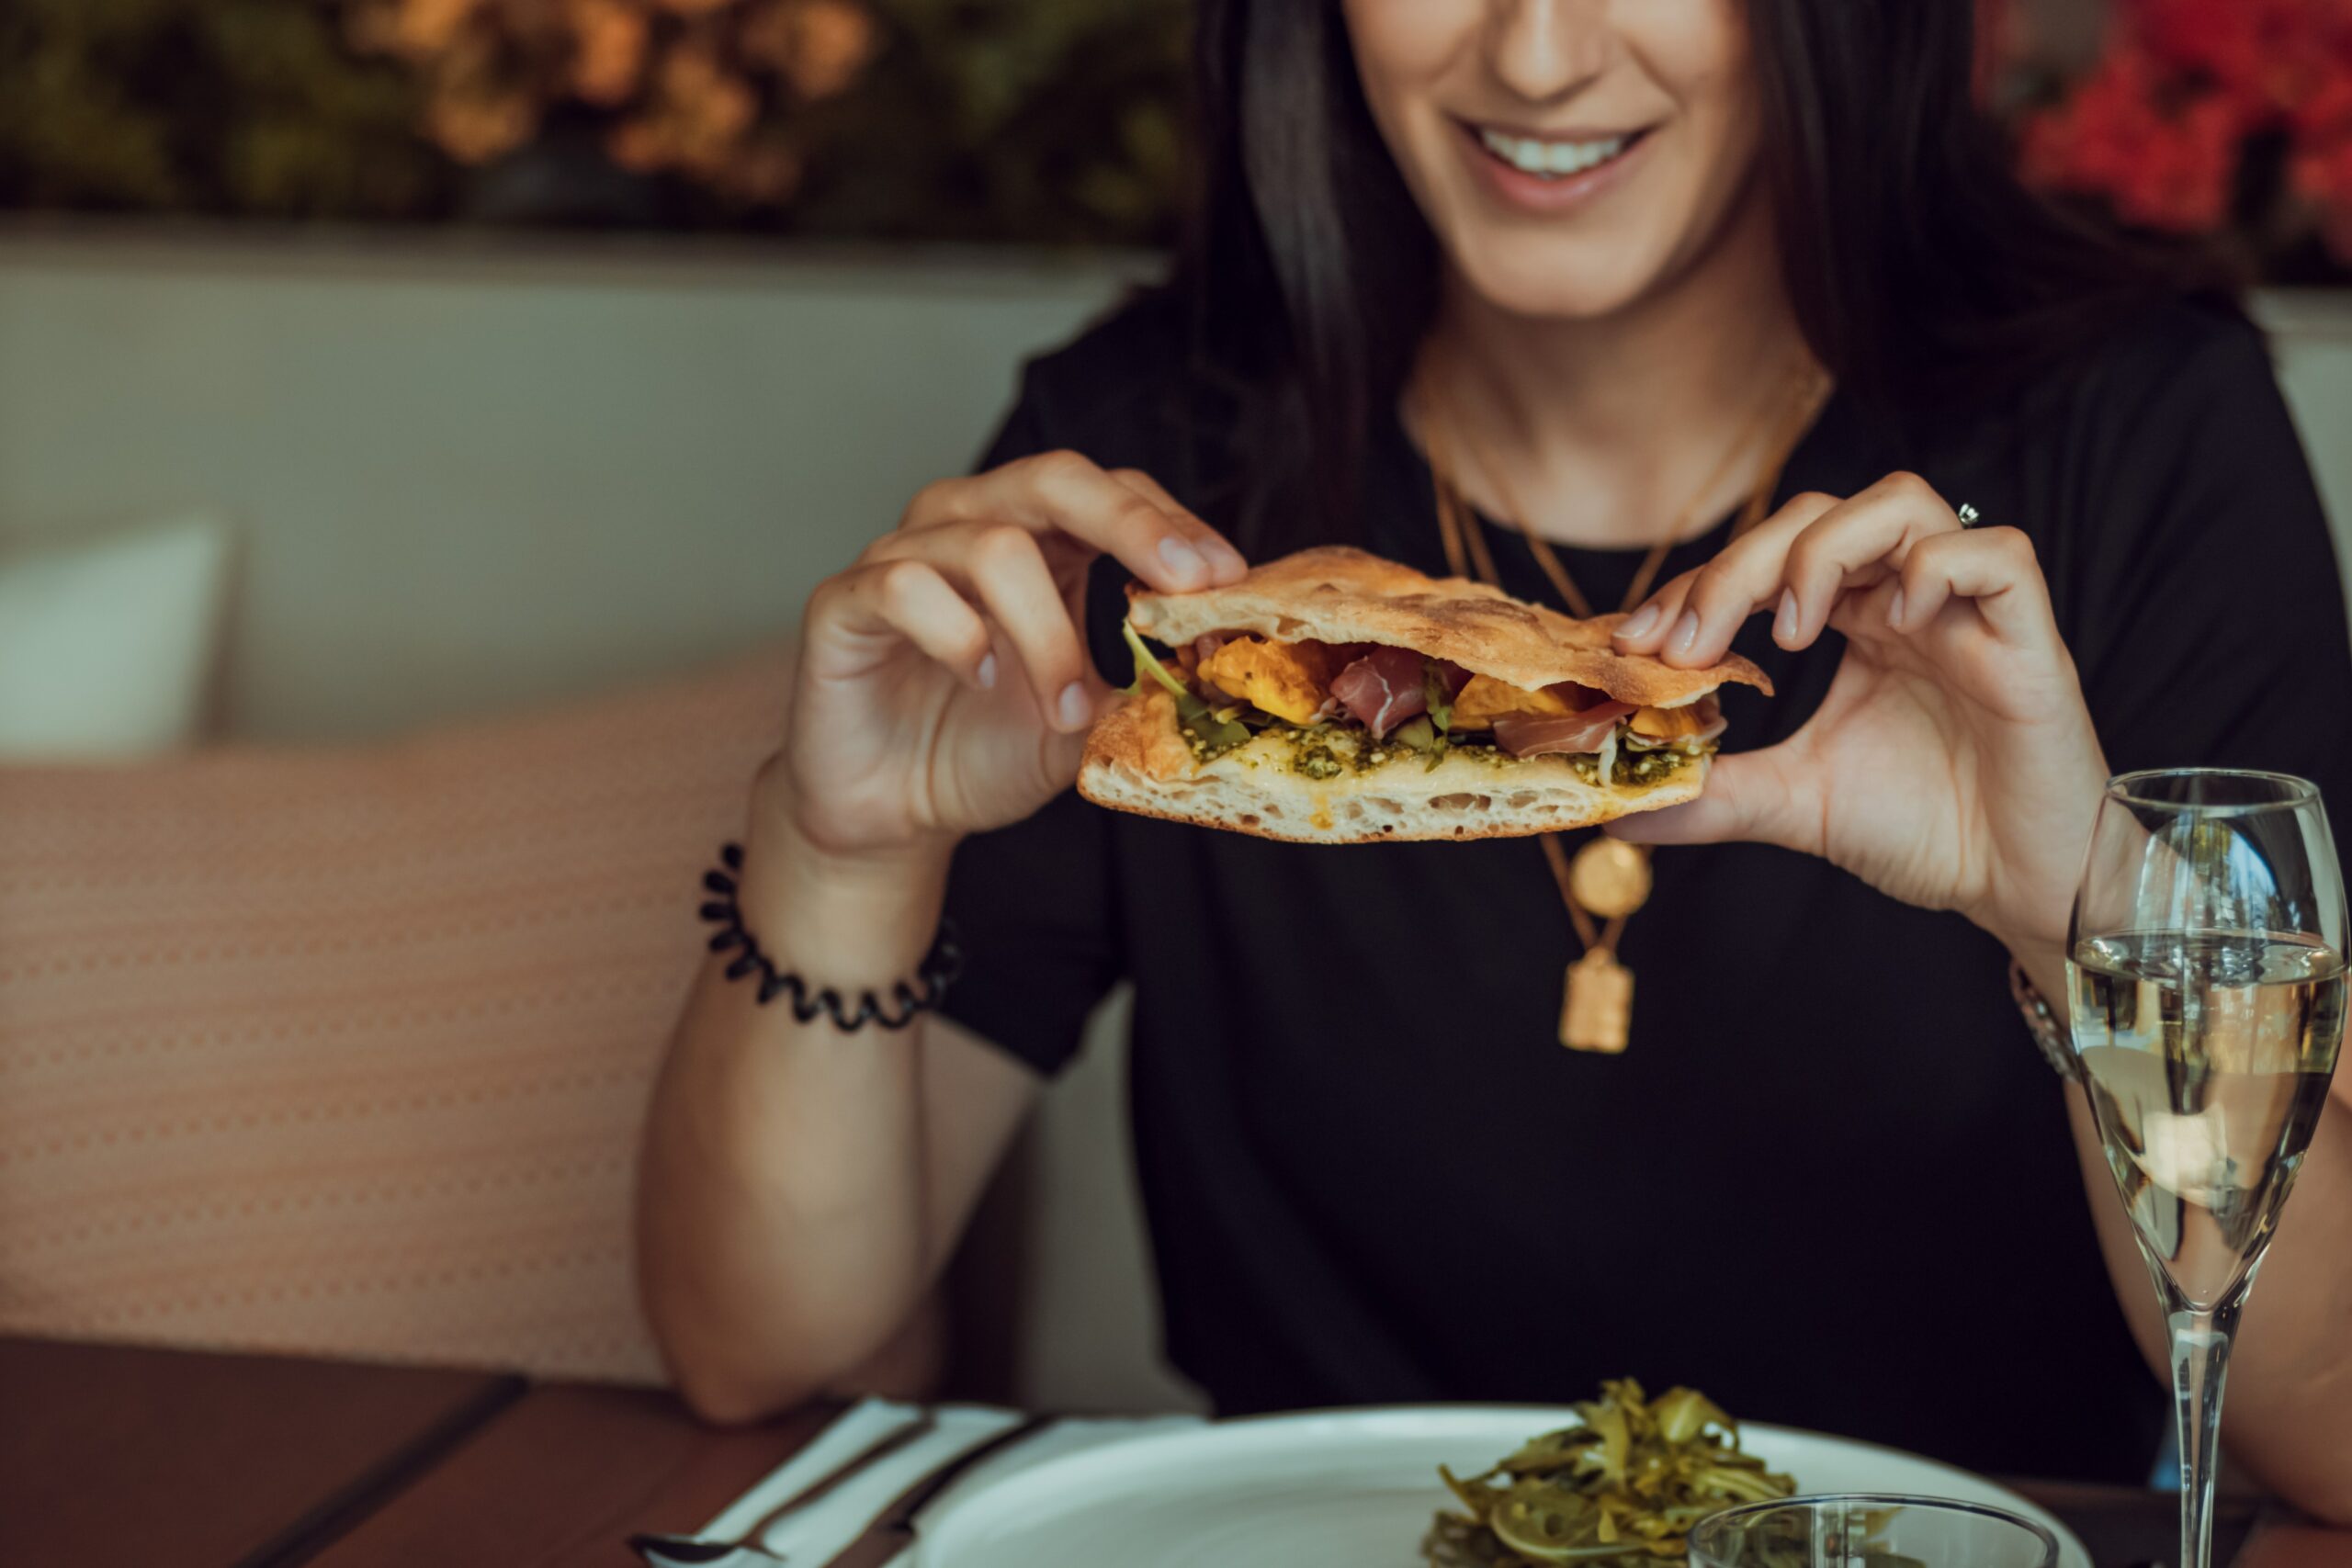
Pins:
<point x="801" y="1187"/>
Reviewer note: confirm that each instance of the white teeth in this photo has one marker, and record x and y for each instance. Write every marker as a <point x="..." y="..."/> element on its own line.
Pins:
<point x="1551" y="160"/>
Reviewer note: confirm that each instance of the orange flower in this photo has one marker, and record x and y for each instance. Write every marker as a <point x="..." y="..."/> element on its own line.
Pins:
<point x="474" y="127"/>
<point x="698" y="112"/>
<point x="420" y="29"/>
<point x="609" y="49"/>
<point x="817" y="46"/>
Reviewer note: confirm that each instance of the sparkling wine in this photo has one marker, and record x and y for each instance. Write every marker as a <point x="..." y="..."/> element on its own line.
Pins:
<point x="2207" y="1057"/>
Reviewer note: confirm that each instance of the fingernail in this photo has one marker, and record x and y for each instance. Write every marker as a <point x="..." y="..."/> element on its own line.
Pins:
<point x="1894" y="609"/>
<point x="1639" y="622"/>
<point x="985" y="675"/>
<point x="1182" y="560"/>
<point x="1686" y="633"/>
<point x="1784" y="622"/>
<point x="1224" y="556"/>
<point x="1075" y="709"/>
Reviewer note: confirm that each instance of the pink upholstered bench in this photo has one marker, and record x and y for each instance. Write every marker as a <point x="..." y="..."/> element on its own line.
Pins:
<point x="346" y="1052"/>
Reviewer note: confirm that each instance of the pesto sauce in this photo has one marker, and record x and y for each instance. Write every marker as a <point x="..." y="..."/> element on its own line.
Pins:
<point x="1316" y="763"/>
<point x="1322" y="754"/>
<point x="1203" y="753"/>
<point x="1649" y="767"/>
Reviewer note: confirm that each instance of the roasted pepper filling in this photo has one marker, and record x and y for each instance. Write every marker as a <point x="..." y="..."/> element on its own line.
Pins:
<point x="1343" y="708"/>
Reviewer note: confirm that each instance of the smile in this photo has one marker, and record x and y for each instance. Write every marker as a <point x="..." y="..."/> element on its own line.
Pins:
<point x="1556" y="160"/>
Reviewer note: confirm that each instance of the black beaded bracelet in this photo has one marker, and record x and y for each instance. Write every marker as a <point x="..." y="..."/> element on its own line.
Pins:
<point x="940" y="965"/>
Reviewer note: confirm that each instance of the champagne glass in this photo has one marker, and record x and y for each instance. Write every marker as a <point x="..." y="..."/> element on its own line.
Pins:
<point x="2207" y="990"/>
<point x="1862" y="1530"/>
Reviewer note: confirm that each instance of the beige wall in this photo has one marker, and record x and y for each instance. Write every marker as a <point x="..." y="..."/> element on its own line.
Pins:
<point x="470" y="479"/>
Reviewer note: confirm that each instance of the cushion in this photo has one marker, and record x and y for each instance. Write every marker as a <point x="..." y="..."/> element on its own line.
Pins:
<point x="346" y="1052"/>
<point x="107" y="649"/>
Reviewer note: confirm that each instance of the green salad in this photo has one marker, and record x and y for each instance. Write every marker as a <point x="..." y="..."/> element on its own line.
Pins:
<point x="1623" y="1486"/>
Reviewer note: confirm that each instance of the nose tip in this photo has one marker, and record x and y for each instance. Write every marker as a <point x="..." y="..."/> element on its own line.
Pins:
<point x="1545" y="50"/>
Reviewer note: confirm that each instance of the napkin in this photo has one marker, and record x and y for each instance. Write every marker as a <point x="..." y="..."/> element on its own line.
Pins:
<point x="812" y="1535"/>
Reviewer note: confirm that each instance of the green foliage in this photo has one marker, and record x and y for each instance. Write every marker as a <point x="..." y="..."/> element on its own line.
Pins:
<point x="1055" y="121"/>
<point x="1042" y="121"/>
<point x="244" y="106"/>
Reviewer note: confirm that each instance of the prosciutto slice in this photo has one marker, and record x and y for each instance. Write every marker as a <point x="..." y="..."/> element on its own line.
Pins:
<point x="1382" y="689"/>
<point x="1541" y="735"/>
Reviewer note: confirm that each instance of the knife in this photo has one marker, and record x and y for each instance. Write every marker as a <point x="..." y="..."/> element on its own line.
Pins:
<point x="893" y="1529"/>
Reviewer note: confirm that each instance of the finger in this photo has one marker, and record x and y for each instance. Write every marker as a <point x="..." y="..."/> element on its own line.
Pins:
<point x="1752" y="797"/>
<point x="1993" y="568"/>
<point x="1069" y="495"/>
<point x="1224" y="559"/>
<point x="1858" y="544"/>
<point x="900" y="600"/>
<point x="1801" y="571"/>
<point x="1645" y="630"/>
<point x="1010" y="577"/>
<point x="1724" y="592"/>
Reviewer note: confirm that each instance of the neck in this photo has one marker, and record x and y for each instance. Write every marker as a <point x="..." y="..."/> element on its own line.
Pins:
<point x="1603" y="429"/>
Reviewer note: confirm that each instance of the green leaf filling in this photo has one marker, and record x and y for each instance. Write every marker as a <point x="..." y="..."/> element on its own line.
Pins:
<point x="1624" y="1486"/>
<point x="1213" y="731"/>
<point x="1146" y="665"/>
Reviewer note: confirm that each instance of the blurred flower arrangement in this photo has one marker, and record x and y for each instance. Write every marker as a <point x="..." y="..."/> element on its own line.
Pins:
<point x="1050" y="121"/>
<point x="711" y="90"/>
<point x="1041" y="121"/>
<point x="2223" y="120"/>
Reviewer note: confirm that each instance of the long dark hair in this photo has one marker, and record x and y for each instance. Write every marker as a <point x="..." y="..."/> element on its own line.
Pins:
<point x="1919" y="269"/>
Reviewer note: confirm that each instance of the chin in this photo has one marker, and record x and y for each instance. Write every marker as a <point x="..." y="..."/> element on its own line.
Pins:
<point x="1578" y="282"/>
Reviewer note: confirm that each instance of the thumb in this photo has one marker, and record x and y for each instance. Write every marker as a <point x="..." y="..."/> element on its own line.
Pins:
<point x="1751" y="798"/>
<point x="1065" y="750"/>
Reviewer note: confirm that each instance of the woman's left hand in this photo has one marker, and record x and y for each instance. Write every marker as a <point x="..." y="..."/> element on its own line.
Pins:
<point x="1952" y="764"/>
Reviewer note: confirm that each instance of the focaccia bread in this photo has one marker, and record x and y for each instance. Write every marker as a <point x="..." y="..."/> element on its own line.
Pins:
<point x="1601" y="730"/>
<point x="1336" y="594"/>
<point x="1137" y="761"/>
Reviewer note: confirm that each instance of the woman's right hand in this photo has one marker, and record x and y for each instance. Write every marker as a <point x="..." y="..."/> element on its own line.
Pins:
<point x="943" y="686"/>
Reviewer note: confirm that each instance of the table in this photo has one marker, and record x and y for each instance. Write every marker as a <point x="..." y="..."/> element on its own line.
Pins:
<point x="119" y="1455"/>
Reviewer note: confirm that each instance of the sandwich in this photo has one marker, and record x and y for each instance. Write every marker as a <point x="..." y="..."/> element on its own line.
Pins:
<point x="1334" y="697"/>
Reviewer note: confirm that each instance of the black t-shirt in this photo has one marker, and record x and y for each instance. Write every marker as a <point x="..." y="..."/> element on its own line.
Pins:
<point x="1831" y="1183"/>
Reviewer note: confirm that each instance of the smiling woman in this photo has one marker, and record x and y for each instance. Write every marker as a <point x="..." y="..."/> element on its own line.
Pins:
<point x="1700" y="309"/>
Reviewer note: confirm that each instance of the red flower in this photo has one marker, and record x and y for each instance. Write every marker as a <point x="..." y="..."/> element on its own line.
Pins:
<point x="2321" y="174"/>
<point x="2270" y="55"/>
<point x="2159" y="129"/>
<point x="2164" y="153"/>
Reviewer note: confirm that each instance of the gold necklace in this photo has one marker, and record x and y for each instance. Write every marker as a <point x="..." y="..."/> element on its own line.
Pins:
<point x="1609" y="879"/>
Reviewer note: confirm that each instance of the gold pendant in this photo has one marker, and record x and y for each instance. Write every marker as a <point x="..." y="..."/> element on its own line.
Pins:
<point x="1610" y="878"/>
<point x="1597" y="1014"/>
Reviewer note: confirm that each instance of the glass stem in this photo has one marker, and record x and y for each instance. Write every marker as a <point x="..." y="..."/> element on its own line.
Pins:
<point x="2200" y="1360"/>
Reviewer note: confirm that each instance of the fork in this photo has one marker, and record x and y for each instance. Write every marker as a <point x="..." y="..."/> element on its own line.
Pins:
<point x="693" y="1551"/>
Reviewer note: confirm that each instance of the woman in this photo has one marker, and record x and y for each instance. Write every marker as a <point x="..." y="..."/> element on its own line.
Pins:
<point x="1586" y="254"/>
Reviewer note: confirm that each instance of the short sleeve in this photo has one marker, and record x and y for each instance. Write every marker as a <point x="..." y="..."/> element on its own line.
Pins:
<point x="1033" y="903"/>
<point x="2208" y="614"/>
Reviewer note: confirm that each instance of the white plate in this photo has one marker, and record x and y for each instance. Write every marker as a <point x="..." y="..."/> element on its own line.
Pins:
<point x="1353" y="1489"/>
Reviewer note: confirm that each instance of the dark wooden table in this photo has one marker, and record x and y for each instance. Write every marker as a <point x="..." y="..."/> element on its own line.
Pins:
<point x="111" y="1455"/>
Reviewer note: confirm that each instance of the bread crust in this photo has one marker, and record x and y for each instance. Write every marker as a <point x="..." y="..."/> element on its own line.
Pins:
<point x="1335" y="593"/>
<point x="1139" y="760"/>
